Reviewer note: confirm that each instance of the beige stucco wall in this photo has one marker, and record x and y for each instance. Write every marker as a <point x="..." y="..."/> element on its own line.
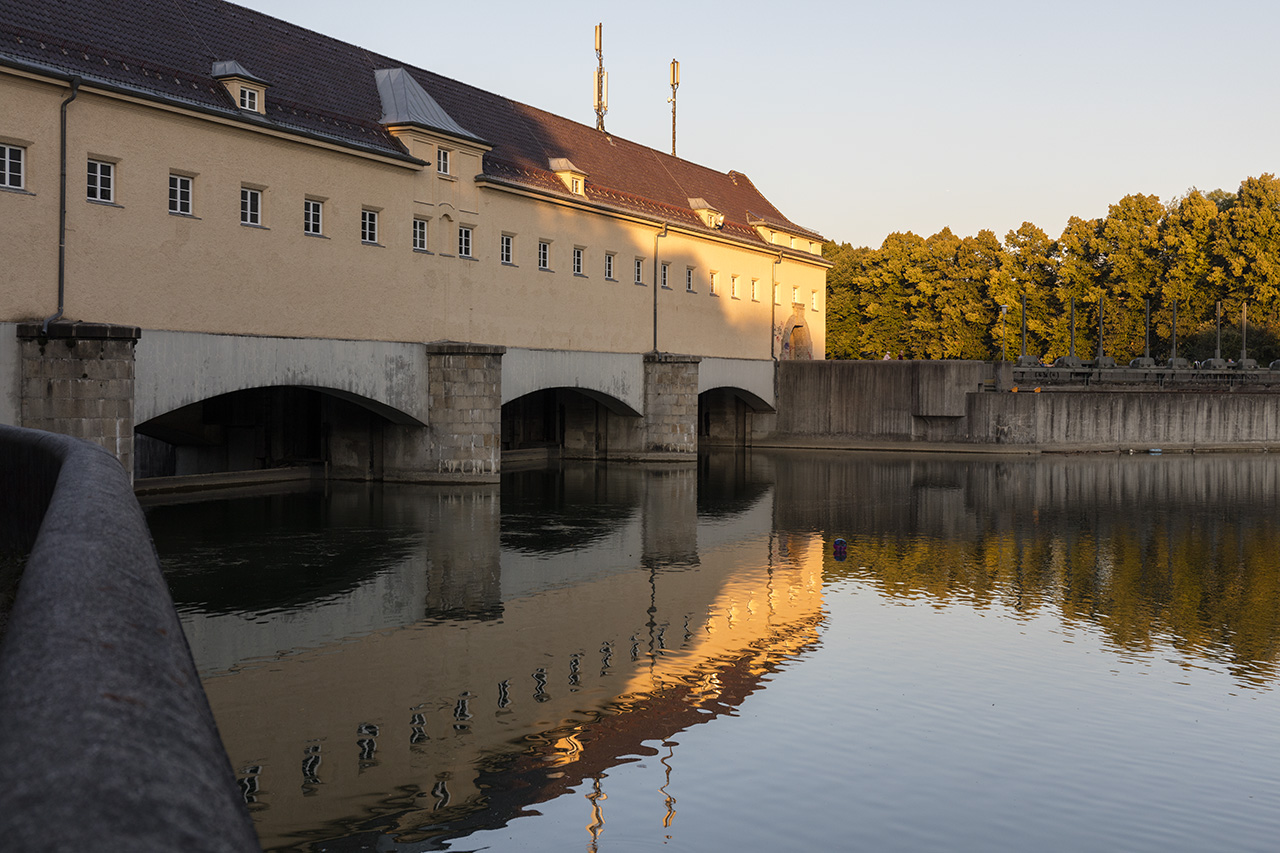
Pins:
<point x="134" y="263"/>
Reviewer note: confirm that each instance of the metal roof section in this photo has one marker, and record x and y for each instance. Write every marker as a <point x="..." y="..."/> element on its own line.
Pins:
<point x="404" y="101"/>
<point x="231" y="68"/>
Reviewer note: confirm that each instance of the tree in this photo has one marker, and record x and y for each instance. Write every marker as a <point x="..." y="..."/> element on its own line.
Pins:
<point x="1030" y="269"/>
<point x="1130" y="264"/>
<point x="1187" y="233"/>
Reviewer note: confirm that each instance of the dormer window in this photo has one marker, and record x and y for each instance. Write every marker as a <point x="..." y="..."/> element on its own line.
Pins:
<point x="575" y="180"/>
<point x="247" y="90"/>
<point x="710" y="217"/>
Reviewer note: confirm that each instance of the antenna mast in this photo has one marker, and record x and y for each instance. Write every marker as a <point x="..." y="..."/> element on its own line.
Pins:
<point x="675" y="84"/>
<point x="602" y="81"/>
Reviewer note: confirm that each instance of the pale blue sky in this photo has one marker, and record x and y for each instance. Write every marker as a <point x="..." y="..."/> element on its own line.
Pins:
<point x="858" y="119"/>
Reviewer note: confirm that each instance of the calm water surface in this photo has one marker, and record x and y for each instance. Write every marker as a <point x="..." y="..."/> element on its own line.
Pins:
<point x="1067" y="653"/>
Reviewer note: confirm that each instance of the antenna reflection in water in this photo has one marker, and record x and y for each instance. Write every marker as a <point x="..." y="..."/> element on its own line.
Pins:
<point x="710" y="584"/>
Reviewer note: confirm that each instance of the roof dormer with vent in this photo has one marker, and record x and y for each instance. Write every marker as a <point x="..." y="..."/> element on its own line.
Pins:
<point x="411" y="115"/>
<point x="247" y="90"/>
<point x="575" y="180"/>
<point x="710" y="217"/>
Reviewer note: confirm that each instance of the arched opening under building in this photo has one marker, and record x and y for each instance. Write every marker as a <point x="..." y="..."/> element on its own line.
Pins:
<point x="263" y="428"/>
<point x="727" y="417"/>
<point x="565" y="423"/>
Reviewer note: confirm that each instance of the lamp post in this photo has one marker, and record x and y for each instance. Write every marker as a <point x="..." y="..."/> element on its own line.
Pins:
<point x="1004" y="338"/>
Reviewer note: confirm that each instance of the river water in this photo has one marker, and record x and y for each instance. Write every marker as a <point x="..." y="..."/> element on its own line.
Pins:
<point x="1048" y="653"/>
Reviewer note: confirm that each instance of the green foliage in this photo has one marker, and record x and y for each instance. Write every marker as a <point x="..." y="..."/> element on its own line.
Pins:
<point x="940" y="297"/>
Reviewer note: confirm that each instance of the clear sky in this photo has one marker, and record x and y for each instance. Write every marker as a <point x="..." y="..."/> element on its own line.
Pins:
<point x="858" y="119"/>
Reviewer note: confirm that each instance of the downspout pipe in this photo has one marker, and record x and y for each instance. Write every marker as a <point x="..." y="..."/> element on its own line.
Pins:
<point x="62" y="210"/>
<point x="656" y="236"/>
<point x="773" y="309"/>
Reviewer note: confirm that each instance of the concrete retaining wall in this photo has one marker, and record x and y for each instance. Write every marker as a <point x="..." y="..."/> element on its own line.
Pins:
<point x="106" y="738"/>
<point x="1119" y="420"/>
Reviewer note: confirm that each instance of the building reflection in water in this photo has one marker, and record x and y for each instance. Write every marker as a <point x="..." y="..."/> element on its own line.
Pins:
<point x="398" y="666"/>
<point x="496" y="653"/>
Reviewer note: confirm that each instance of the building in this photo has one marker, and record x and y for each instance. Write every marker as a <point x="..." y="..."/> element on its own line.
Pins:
<point x="300" y="251"/>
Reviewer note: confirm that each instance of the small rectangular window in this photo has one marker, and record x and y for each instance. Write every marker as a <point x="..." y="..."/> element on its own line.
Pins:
<point x="733" y="287"/>
<point x="795" y="295"/>
<point x="777" y="294"/>
<point x="577" y="261"/>
<point x="368" y="226"/>
<point x="442" y="161"/>
<point x="504" y="248"/>
<point x="250" y="206"/>
<point x="464" y="242"/>
<point x="180" y="195"/>
<point x="419" y="235"/>
<point x="312" y="217"/>
<point x="12" y="162"/>
<point x="711" y="284"/>
<point x="665" y="269"/>
<point x="544" y="255"/>
<point x="755" y="290"/>
<point x="688" y="279"/>
<point x="608" y="266"/>
<point x="639" y="270"/>
<point x="102" y="183"/>
<point x="248" y="99"/>
<point x="813" y="301"/>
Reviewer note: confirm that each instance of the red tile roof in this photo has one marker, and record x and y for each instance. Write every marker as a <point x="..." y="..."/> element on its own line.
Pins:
<point x="324" y="87"/>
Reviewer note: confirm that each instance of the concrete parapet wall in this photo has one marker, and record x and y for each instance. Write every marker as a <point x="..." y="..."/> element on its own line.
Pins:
<point x="883" y="400"/>
<point x="106" y="737"/>
<point x="1119" y="420"/>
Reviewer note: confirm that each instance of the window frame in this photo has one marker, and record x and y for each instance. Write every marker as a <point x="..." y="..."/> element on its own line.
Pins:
<point x="666" y="272"/>
<point x="178" y="204"/>
<point x="544" y="255"/>
<point x="100" y="183"/>
<point x="8" y="170"/>
<point x="688" y="280"/>
<point x="609" y="258"/>
<point x="313" y="208"/>
<point x="251" y="207"/>
<point x="578" y="256"/>
<point x="506" y="248"/>
<point x="465" y="235"/>
<point x="640" y="271"/>
<point x="442" y="161"/>
<point x="368" y="226"/>
<point x="248" y="99"/>
<point x="418" y="234"/>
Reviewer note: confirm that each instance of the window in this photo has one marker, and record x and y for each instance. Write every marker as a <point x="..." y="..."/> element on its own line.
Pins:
<point x="577" y="187"/>
<point x="368" y="226"/>
<point x="711" y="286"/>
<point x="733" y="287"/>
<point x="180" y="195"/>
<point x="442" y="161"/>
<point x="777" y="294"/>
<point x="665" y="269"/>
<point x="577" y="261"/>
<point x="544" y="255"/>
<point x="464" y="241"/>
<point x="419" y="235"/>
<point x="688" y="279"/>
<point x="639" y="270"/>
<point x="12" y="158"/>
<point x="312" y="217"/>
<point x="250" y="206"/>
<point x="504" y="249"/>
<point x="608" y="266"/>
<point x="813" y="301"/>
<point x="102" y="181"/>
<point x="755" y="290"/>
<point x="248" y="99"/>
<point x="795" y="295"/>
